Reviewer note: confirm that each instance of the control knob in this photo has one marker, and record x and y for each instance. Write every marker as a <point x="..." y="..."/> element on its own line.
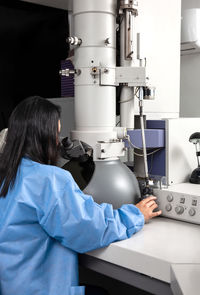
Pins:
<point x="192" y="212"/>
<point x="168" y="207"/>
<point x="170" y="198"/>
<point x="179" y="210"/>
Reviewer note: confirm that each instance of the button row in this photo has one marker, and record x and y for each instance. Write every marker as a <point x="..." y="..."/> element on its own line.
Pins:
<point x="170" y="198"/>
<point x="180" y="209"/>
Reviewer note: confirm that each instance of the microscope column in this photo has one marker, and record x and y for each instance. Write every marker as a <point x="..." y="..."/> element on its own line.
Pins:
<point x="95" y="105"/>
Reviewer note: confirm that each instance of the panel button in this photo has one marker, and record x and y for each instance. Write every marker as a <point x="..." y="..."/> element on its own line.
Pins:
<point x="179" y="210"/>
<point x="168" y="207"/>
<point x="182" y="200"/>
<point x="170" y="198"/>
<point x="194" y="202"/>
<point x="192" y="212"/>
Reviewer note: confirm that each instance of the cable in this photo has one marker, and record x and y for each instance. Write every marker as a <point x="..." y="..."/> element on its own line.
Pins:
<point x="148" y="154"/>
<point x="136" y="91"/>
<point x="127" y="137"/>
<point x="135" y="94"/>
<point x="144" y="146"/>
<point x="151" y="163"/>
<point x="136" y="147"/>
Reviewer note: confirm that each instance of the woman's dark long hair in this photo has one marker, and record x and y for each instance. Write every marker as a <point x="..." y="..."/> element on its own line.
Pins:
<point x="32" y="133"/>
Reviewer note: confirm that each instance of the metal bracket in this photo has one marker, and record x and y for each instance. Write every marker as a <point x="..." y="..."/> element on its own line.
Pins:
<point x="131" y="76"/>
<point x="110" y="149"/>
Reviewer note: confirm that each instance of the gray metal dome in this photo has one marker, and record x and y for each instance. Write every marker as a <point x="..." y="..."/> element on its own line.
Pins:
<point x="113" y="182"/>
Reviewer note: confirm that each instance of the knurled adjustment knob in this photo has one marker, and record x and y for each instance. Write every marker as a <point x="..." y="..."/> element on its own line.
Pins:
<point x="168" y="207"/>
<point x="170" y="198"/>
<point x="179" y="210"/>
<point x="192" y="212"/>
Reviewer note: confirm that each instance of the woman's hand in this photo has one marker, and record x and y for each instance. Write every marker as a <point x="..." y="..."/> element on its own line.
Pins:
<point x="147" y="206"/>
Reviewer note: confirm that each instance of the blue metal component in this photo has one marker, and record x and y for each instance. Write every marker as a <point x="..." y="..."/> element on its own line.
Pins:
<point x="155" y="124"/>
<point x="155" y="140"/>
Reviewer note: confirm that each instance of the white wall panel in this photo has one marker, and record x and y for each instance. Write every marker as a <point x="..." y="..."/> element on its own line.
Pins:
<point x="190" y="73"/>
<point x="159" y="23"/>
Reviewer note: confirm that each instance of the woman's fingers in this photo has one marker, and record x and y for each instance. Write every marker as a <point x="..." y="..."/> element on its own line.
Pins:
<point x="157" y="213"/>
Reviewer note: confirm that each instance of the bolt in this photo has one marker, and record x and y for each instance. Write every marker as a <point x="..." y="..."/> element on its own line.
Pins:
<point x="78" y="72"/>
<point x="94" y="70"/>
<point x="107" y="41"/>
<point x="74" y="41"/>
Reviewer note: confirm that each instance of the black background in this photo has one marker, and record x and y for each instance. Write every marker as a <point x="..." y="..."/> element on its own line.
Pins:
<point x="32" y="44"/>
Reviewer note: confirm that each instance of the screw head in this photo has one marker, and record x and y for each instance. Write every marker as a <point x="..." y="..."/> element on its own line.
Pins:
<point x="107" y="41"/>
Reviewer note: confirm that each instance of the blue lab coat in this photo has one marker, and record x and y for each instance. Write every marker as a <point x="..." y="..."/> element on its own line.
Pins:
<point x="45" y="220"/>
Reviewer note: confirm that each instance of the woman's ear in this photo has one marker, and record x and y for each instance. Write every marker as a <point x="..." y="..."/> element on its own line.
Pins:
<point x="59" y="126"/>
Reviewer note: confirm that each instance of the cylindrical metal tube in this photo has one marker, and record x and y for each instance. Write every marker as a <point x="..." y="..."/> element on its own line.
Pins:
<point x="143" y="135"/>
<point x="95" y="105"/>
<point x="127" y="107"/>
<point x="128" y="35"/>
<point x="127" y="41"/>
<point x="127" y="94"/>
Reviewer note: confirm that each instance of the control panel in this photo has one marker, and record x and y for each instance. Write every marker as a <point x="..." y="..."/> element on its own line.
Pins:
<point x="180" y="201"/>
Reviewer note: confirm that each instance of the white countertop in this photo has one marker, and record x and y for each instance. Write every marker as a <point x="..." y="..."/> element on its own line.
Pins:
<point x="186" y="279"/>
<point x="152" y="251"/>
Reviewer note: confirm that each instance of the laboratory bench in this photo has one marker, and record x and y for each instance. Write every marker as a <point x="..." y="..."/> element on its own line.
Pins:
<point x="162" y="258"/>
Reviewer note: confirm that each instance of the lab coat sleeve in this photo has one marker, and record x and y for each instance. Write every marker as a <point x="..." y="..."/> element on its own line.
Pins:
<point x="82" y="225"/>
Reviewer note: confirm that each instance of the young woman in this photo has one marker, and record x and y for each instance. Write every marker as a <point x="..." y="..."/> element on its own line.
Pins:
<point x="45" y="220"/>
